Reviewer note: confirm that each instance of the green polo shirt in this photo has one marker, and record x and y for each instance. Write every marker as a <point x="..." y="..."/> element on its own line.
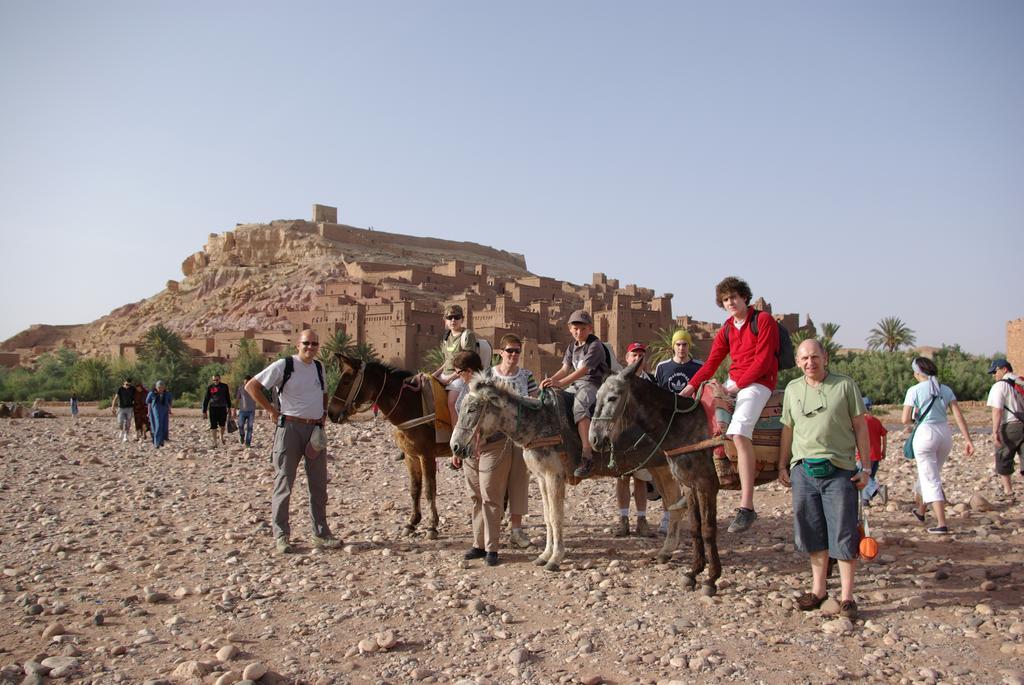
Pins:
<point x="822" y="419"/>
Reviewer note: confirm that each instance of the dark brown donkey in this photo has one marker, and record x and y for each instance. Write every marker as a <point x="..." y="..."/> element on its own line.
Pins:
<point x="364" y="384"/>
<point x="626" y="400"/>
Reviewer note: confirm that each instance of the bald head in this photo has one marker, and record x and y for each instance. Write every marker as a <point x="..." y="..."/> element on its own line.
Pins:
<point x="812" y="358"/>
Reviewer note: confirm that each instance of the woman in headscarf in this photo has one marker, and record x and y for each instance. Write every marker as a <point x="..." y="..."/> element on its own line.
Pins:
<point x="159" y="401"/>
<point x="926" y="404"/>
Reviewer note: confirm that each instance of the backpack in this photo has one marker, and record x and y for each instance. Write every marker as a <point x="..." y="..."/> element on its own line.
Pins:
<point x="483" y="348"/>
<point x="1018" y="385"/>
<point x="289" y="369"/>
<point x="785" y="355"/>
<point x="614" y="365"/>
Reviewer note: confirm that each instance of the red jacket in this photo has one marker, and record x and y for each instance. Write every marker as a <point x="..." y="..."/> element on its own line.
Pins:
<point x="753" y="359"/>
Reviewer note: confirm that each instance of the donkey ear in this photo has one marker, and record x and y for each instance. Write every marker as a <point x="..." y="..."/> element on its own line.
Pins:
<point x="630" y="370"/>
<point x="346" y="361"/>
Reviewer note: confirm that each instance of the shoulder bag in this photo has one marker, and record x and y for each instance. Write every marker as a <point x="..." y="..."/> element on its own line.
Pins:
<point x="908" y="446"/>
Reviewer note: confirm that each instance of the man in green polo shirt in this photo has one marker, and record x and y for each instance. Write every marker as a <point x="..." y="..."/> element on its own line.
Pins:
<point x="822" y="428"/>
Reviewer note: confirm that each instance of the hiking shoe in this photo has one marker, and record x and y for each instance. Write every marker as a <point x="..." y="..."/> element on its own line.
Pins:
<point x="883" y="493"/>
<point x="623" y="529"/>
<point x="809" y="601"/>
<point x="642" y="529"/>
<point x="744" y="518"/>
<point x="329" y="542"/>
<point x="474" y="553"/>
<point x="585" y="467"/>
<point x="282" y="546"/>
<point x="939" y="530"/>
<point x="848" y="609"/>
<point x="518" y="538"/>
<point x="491" y="559"/>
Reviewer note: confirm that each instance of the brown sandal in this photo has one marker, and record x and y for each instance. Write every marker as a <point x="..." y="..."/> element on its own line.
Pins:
<point x="810" y="601"/>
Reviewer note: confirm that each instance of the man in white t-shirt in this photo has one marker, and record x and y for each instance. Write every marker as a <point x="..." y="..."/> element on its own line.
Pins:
<point x="1007" y="421"/>
<point x="300" y="384"/>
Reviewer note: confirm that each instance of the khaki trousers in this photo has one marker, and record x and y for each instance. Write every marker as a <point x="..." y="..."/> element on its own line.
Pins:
<point x="486" y="481"/>
<point x="518" y="484"/>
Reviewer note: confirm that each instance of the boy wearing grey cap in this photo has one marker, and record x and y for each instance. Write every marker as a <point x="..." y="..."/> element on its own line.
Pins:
<point x="584" y="368"/>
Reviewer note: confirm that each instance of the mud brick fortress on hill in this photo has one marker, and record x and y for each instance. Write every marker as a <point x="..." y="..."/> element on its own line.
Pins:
<point x="397" y="305"/>
<point x="266" y="282"/>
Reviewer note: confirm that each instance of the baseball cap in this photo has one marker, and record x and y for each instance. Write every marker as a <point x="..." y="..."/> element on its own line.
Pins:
<point x="581" y="316"/>
<point x="636" y="347"/>
<point x="999" y="364"/>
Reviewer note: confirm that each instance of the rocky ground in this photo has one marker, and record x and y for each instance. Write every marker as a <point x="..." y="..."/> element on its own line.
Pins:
<point x="122" y="563"/>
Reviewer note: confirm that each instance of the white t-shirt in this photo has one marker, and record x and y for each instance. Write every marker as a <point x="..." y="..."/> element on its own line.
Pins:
<point x="302" y="396"/>
<point x="1002" y="396"/>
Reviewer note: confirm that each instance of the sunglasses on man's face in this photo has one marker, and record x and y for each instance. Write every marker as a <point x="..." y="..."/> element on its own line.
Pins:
<point x="513" y="350"/>
<point x="307" y="343"/>
<point x="454" y="318"/>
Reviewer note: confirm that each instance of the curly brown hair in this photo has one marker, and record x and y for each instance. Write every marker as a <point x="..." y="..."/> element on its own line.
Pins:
<point x="729" y="285"/>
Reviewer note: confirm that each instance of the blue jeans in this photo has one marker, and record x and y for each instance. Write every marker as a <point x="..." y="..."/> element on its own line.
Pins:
<point x="245" y="419"/>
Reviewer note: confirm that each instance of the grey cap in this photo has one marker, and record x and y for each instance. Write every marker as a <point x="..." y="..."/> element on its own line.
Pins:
<point x="581" y="316"/>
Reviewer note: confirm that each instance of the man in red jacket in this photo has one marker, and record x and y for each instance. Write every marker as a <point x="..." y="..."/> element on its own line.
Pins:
<point x="753" y="374"/>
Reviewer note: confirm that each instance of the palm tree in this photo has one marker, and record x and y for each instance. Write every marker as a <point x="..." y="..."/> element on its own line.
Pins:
<point x="891" y="334"/>
<point x="827" y="338"/>
<point x="162" y="344"/>
<point x="364" y="351"/>
<point x="432" y="359"/>
<point x="660" y="348"/>
<point x="341" y="342"/>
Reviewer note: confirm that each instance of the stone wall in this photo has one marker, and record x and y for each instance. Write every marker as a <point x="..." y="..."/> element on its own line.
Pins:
<point x="1015" y="344"/>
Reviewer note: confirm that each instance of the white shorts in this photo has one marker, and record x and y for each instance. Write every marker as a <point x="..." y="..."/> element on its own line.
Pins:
<point x="750" y="403"/>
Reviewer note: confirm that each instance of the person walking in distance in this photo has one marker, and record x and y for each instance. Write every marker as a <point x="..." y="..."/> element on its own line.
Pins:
<point x="300" y="383"/>
<point x="1007" y="403"/>
<point x="246" y="407"/>
<point x="122" y="405"/>
<point x="216" y="405"/>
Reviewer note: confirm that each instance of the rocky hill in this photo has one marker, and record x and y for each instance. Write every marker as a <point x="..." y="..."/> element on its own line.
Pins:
<point x="241" y="278"/>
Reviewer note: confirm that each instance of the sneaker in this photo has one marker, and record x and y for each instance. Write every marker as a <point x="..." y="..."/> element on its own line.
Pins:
<point x="809" y="601"/>
<point x="474" y="553"/>
<point x="585" y="467"/>
<point x="848" y="609"/>
<point x="744" y="518"/>
<point x="642" y="529"/>
<point x="282" y="545"/>
<point x="918" y="514"/>
<point x="518" y="538"/>
<point x="623" y="529"/>
<point x="939" y="530"/>
<point x="883" y="493"/>
<point x="124" y="438"/>
<point x="329" y="542"/>
<point x="491" y="559"/>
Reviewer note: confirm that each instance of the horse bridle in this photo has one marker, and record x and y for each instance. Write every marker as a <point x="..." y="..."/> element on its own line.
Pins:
<point x="348" y="407"/>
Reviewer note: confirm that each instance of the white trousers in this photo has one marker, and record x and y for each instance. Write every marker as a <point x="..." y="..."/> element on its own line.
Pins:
<point x="932" y="444"/>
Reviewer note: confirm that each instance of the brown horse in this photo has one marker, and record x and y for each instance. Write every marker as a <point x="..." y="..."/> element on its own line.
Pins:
<point x="364" y="384"/>
<point x="626" y="400"/>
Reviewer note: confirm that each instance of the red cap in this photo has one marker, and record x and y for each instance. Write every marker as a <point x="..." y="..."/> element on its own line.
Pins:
<point x="637" y="347"/>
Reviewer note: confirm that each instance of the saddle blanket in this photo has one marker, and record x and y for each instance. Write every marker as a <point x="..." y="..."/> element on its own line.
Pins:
<point x="718" y="407"/>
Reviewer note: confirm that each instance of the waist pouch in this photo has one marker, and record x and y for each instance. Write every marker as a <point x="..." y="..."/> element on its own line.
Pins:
<point x="818" y="468"/>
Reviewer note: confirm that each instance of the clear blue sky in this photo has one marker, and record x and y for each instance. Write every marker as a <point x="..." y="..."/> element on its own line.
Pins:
<point x="850" y="160"/>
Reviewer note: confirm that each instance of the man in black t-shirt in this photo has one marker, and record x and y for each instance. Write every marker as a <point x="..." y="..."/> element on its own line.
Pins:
<point x="216" y="404"/>
<point x="122" y="406"/>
